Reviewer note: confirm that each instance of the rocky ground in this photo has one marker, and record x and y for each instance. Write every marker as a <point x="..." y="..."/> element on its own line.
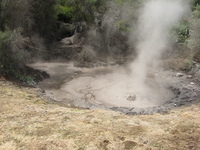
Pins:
<point x="30" y="122"/>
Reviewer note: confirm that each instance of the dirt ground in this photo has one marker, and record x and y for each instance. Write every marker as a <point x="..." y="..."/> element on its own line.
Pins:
<point x="29" y="122"/>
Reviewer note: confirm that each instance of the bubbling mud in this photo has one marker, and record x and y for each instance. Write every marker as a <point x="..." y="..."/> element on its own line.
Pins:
<point x="112" y="90"/>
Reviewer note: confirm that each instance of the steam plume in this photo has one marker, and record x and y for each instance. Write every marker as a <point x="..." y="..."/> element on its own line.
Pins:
<point x="155" y="23"/>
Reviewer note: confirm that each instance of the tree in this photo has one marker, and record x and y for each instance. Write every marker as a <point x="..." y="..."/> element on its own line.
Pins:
<point x="44" y="16"/>
<point x="81" y="10"/>
<point x="13" y="17"/>
<point x="14" y="14"/>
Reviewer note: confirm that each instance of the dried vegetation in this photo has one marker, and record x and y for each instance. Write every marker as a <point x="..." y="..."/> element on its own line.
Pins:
<point x="29" y="122"/>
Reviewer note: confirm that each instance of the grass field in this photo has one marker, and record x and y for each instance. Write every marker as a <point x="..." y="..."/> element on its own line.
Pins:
<point x="29" y="122"/>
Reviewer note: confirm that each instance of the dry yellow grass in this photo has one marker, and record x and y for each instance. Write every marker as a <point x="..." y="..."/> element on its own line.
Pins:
<point x="29" y="122"/>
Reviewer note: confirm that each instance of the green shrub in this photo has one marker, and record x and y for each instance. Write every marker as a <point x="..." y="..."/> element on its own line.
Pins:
<point x="12" y="53"/>
<point x="26" y="79"/>
<point x="182" y="30"/>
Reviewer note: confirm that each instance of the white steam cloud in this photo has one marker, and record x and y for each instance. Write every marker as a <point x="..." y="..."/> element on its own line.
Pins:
<point x="154" y="27"/>
<point x="140" y="87"/>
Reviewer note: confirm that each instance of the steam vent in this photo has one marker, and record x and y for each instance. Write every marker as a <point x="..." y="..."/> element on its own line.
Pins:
<point x="141" y="85"/>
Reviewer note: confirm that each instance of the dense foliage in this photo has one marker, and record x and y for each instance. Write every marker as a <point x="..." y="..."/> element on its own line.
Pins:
<point x="107" y="22"/>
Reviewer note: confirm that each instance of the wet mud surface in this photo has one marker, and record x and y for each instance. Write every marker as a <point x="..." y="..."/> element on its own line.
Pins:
<point x="112" y="88"/>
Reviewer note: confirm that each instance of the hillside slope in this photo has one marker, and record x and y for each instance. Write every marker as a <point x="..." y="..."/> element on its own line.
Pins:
<point x="29" y="122"/>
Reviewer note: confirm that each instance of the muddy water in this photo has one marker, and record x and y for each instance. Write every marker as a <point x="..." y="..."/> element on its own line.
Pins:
<point x="69" y="84"/>
<point x="113" y="88"/>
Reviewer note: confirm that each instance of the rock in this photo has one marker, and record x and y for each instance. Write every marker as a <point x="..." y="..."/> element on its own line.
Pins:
<point x="192" y="83"/>
<point x="179" y="74"/>
<point x="67" y="40"/>
<point x="74" y="39"/>
<point x="189" y="77"/>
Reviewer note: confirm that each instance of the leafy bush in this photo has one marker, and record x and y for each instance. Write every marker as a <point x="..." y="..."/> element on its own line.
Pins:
<point x="12" y="53"/>
<point x="26" y="79"/>
<point x="79" y="10"/>
<point x="182" y="30"/>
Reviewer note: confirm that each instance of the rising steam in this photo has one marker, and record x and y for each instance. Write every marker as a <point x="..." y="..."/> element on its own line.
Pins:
<point x="155" y="23"/>
<point x="154" y="27"/>
<point x="137" y="89"/>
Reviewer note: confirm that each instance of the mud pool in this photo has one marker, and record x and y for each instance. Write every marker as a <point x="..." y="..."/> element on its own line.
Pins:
<point x="112" y="88"/>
